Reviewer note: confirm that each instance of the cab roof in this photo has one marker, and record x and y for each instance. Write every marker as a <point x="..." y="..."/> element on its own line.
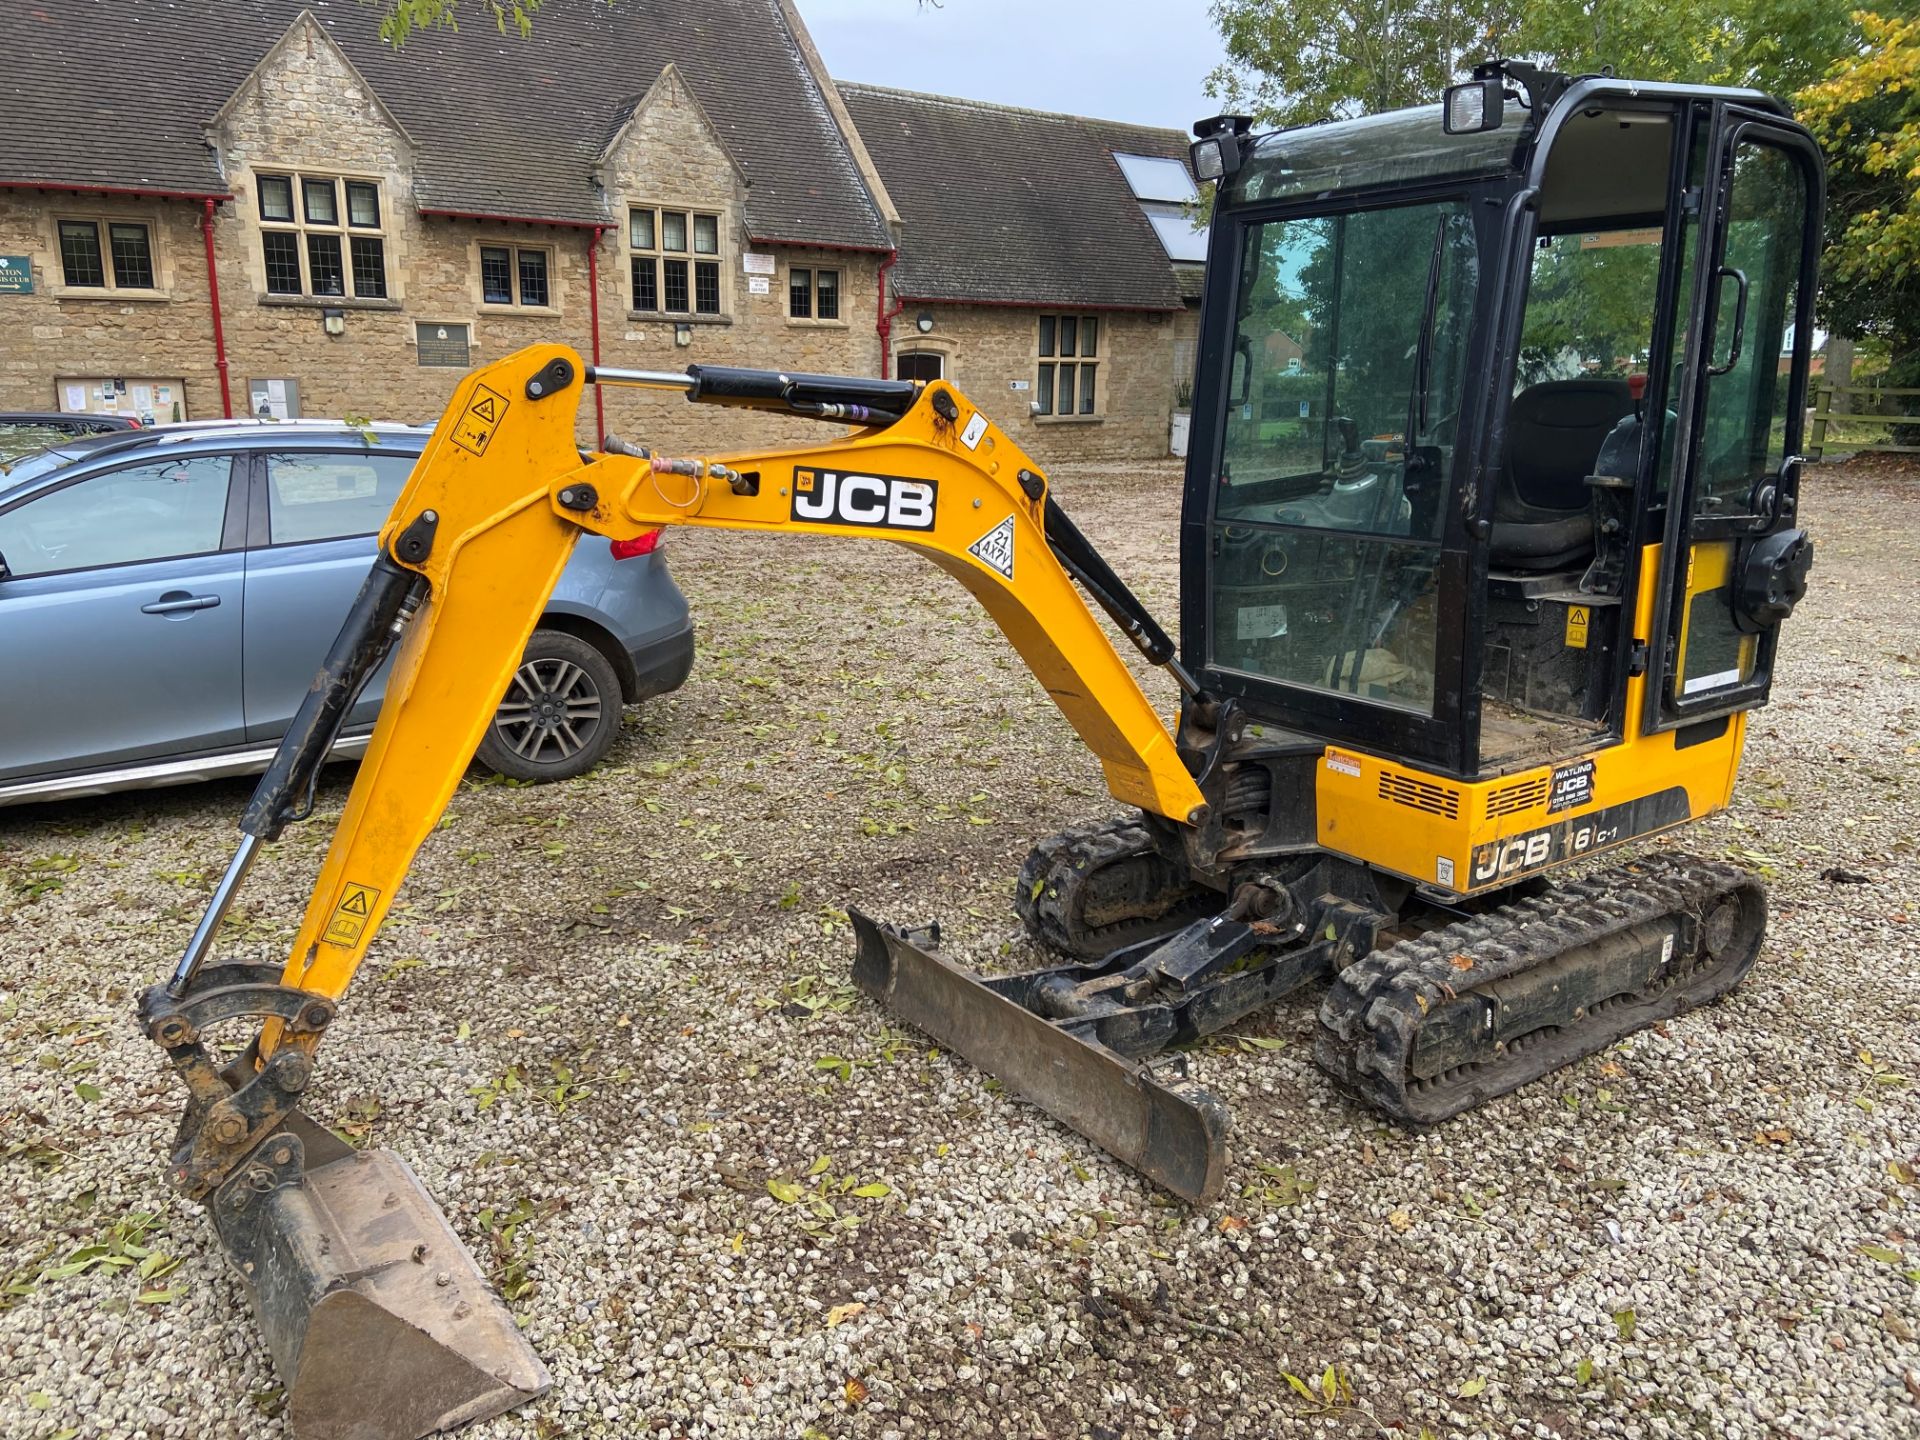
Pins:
<point x="1411" y="146"/>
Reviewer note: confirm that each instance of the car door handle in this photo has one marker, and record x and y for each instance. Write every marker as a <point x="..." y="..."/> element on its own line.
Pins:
<point x="175" y="601"/>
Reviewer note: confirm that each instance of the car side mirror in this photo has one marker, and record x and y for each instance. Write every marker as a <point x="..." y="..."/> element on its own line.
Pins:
<point x="5" y="573"/>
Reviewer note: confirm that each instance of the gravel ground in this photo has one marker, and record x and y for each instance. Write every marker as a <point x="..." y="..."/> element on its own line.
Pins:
<point x="608" y="1013"/>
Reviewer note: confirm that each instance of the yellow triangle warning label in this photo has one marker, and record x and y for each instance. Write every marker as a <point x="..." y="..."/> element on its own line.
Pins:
<point x="480" y="420"/>
<point x="347" y="926"/>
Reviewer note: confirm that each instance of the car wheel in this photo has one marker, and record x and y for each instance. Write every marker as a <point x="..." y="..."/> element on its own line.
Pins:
<point x="561" y="711"/>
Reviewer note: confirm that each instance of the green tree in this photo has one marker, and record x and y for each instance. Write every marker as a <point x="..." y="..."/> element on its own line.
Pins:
<point x="1866" y="114"/>
<point x="1313" y="60"/>
<point x="1293" y="62"/>
<point x="402" y="17"/>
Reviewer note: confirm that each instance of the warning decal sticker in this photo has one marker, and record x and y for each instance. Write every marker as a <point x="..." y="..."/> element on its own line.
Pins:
<point x="976" y="427"/>
<point x="1578" y="618"/>
<point x="995" y="548"/>
<point x="350" y="916"/>
<point x="478" y="422"/>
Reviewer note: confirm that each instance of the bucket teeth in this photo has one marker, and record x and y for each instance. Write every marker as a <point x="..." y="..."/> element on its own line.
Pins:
<point x="381" y="1325"/>
<point x="1171" y="1131"/>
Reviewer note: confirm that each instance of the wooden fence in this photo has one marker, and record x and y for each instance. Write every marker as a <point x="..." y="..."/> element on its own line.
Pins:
<point x="1871" y="405"/>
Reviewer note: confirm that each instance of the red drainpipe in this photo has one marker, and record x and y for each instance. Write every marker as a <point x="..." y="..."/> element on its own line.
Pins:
<point x="593" y="309"/>
<point x="884" y="325"/>
<point x="213" y="299"/>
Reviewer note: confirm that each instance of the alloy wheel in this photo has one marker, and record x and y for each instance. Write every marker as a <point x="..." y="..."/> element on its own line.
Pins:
<point x="551" y="710"/>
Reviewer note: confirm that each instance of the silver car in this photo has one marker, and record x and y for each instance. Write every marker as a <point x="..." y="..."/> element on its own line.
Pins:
<point x="167" y="595"/>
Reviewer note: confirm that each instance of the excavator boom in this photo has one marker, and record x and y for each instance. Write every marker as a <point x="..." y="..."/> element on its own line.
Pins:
<point x="467" y="560"/>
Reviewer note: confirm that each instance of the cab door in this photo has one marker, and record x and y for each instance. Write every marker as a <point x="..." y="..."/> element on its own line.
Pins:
<point x="1733" y="560"/>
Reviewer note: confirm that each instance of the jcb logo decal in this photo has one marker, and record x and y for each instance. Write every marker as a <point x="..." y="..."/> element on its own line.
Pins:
<point x="840" y="498"/>
<point x="1518" y="855"/>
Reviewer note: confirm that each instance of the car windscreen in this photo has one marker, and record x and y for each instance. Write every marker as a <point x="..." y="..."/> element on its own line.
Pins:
<point x="29" y="451"/>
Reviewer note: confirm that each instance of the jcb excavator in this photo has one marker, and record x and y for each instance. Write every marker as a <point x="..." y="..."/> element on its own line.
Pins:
<point x="1489" y="529"/>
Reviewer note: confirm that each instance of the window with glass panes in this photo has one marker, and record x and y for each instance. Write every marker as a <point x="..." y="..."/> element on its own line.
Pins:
<point x="106" y="255"/>
<point x="322" y="235"/>
<point x="676" y="261"/>
<point x="514" y="275"/>
<point x="813" y="294"/>
<point x="1067" y="381"/>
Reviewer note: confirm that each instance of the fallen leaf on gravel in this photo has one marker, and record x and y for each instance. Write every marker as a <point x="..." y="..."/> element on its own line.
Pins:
<point x="1472" y="1388"/>
<point x="1781" y="1136"/>
<point x="1626" y="1322"/>
<point x="1400" y="1220"/>
<point x="785" y="1191"/>
<point x="840" y="1314"/>
<point x="857" y="1391"/>
<point x="873" y="1190"/>
<point x="1885" y="1254"/>
<point x="1583" y="1372"/>
<point x="1231" y="1223"/>
<point x="1461" y="962"/>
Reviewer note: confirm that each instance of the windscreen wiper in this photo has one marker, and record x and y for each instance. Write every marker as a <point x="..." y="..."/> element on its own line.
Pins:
<point x="1423" y="348"/>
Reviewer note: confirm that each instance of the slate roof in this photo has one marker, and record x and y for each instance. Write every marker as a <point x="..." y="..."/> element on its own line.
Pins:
<point x="1015" y="207"/>
<point x="118" y="93"/>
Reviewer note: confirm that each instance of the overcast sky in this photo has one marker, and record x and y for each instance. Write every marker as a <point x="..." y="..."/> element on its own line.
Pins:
<point x="1138" y="60"/>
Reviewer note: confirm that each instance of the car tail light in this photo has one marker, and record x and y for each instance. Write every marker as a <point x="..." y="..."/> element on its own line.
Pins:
<point x="645" y="543"/>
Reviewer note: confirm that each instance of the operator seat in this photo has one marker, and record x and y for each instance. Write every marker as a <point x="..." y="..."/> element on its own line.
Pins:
<point x="1541" y="519"/>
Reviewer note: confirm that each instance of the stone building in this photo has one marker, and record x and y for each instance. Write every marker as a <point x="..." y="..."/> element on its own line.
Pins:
<point x="264" y="209"/>
<point x="1048" y="265"/>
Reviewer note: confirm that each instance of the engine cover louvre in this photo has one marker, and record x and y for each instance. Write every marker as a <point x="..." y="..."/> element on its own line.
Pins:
<point x="1522" y="795"/>
<point x="1418" y="794"/>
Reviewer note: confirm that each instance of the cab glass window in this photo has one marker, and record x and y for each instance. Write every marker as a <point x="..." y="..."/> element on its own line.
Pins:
<point x="1743" y="427"/>
<point x="329" y="497"/>
<point x="160" y="511"/>
<point x="1348" y="372"/>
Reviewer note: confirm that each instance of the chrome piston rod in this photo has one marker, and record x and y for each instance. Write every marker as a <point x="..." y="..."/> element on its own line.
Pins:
<point x="217" y="908"/>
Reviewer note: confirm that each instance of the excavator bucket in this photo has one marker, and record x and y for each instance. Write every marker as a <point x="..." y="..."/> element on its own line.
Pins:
<point x="1170" y="1130"/>
<point x="381" y="1325"/>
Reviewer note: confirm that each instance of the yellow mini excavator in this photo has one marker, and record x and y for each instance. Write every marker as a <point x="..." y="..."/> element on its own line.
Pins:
<point x="1489" y="530"/>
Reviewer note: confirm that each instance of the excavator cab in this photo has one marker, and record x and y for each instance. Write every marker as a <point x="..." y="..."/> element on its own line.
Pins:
<point x="1490" y="527"/>
<point x="1466" y="392"/>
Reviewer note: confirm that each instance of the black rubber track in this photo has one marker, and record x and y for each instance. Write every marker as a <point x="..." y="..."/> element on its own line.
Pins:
<point x="1095" y="888"/>
<point x="1372" y="1017"/>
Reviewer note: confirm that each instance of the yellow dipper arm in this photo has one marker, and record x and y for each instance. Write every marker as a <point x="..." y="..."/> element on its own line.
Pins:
<point x="493" y="509"/>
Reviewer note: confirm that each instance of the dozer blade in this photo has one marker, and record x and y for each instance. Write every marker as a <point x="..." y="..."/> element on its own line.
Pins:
<point x="1172" y="1132"/>
<point x="381" y="1325"/>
